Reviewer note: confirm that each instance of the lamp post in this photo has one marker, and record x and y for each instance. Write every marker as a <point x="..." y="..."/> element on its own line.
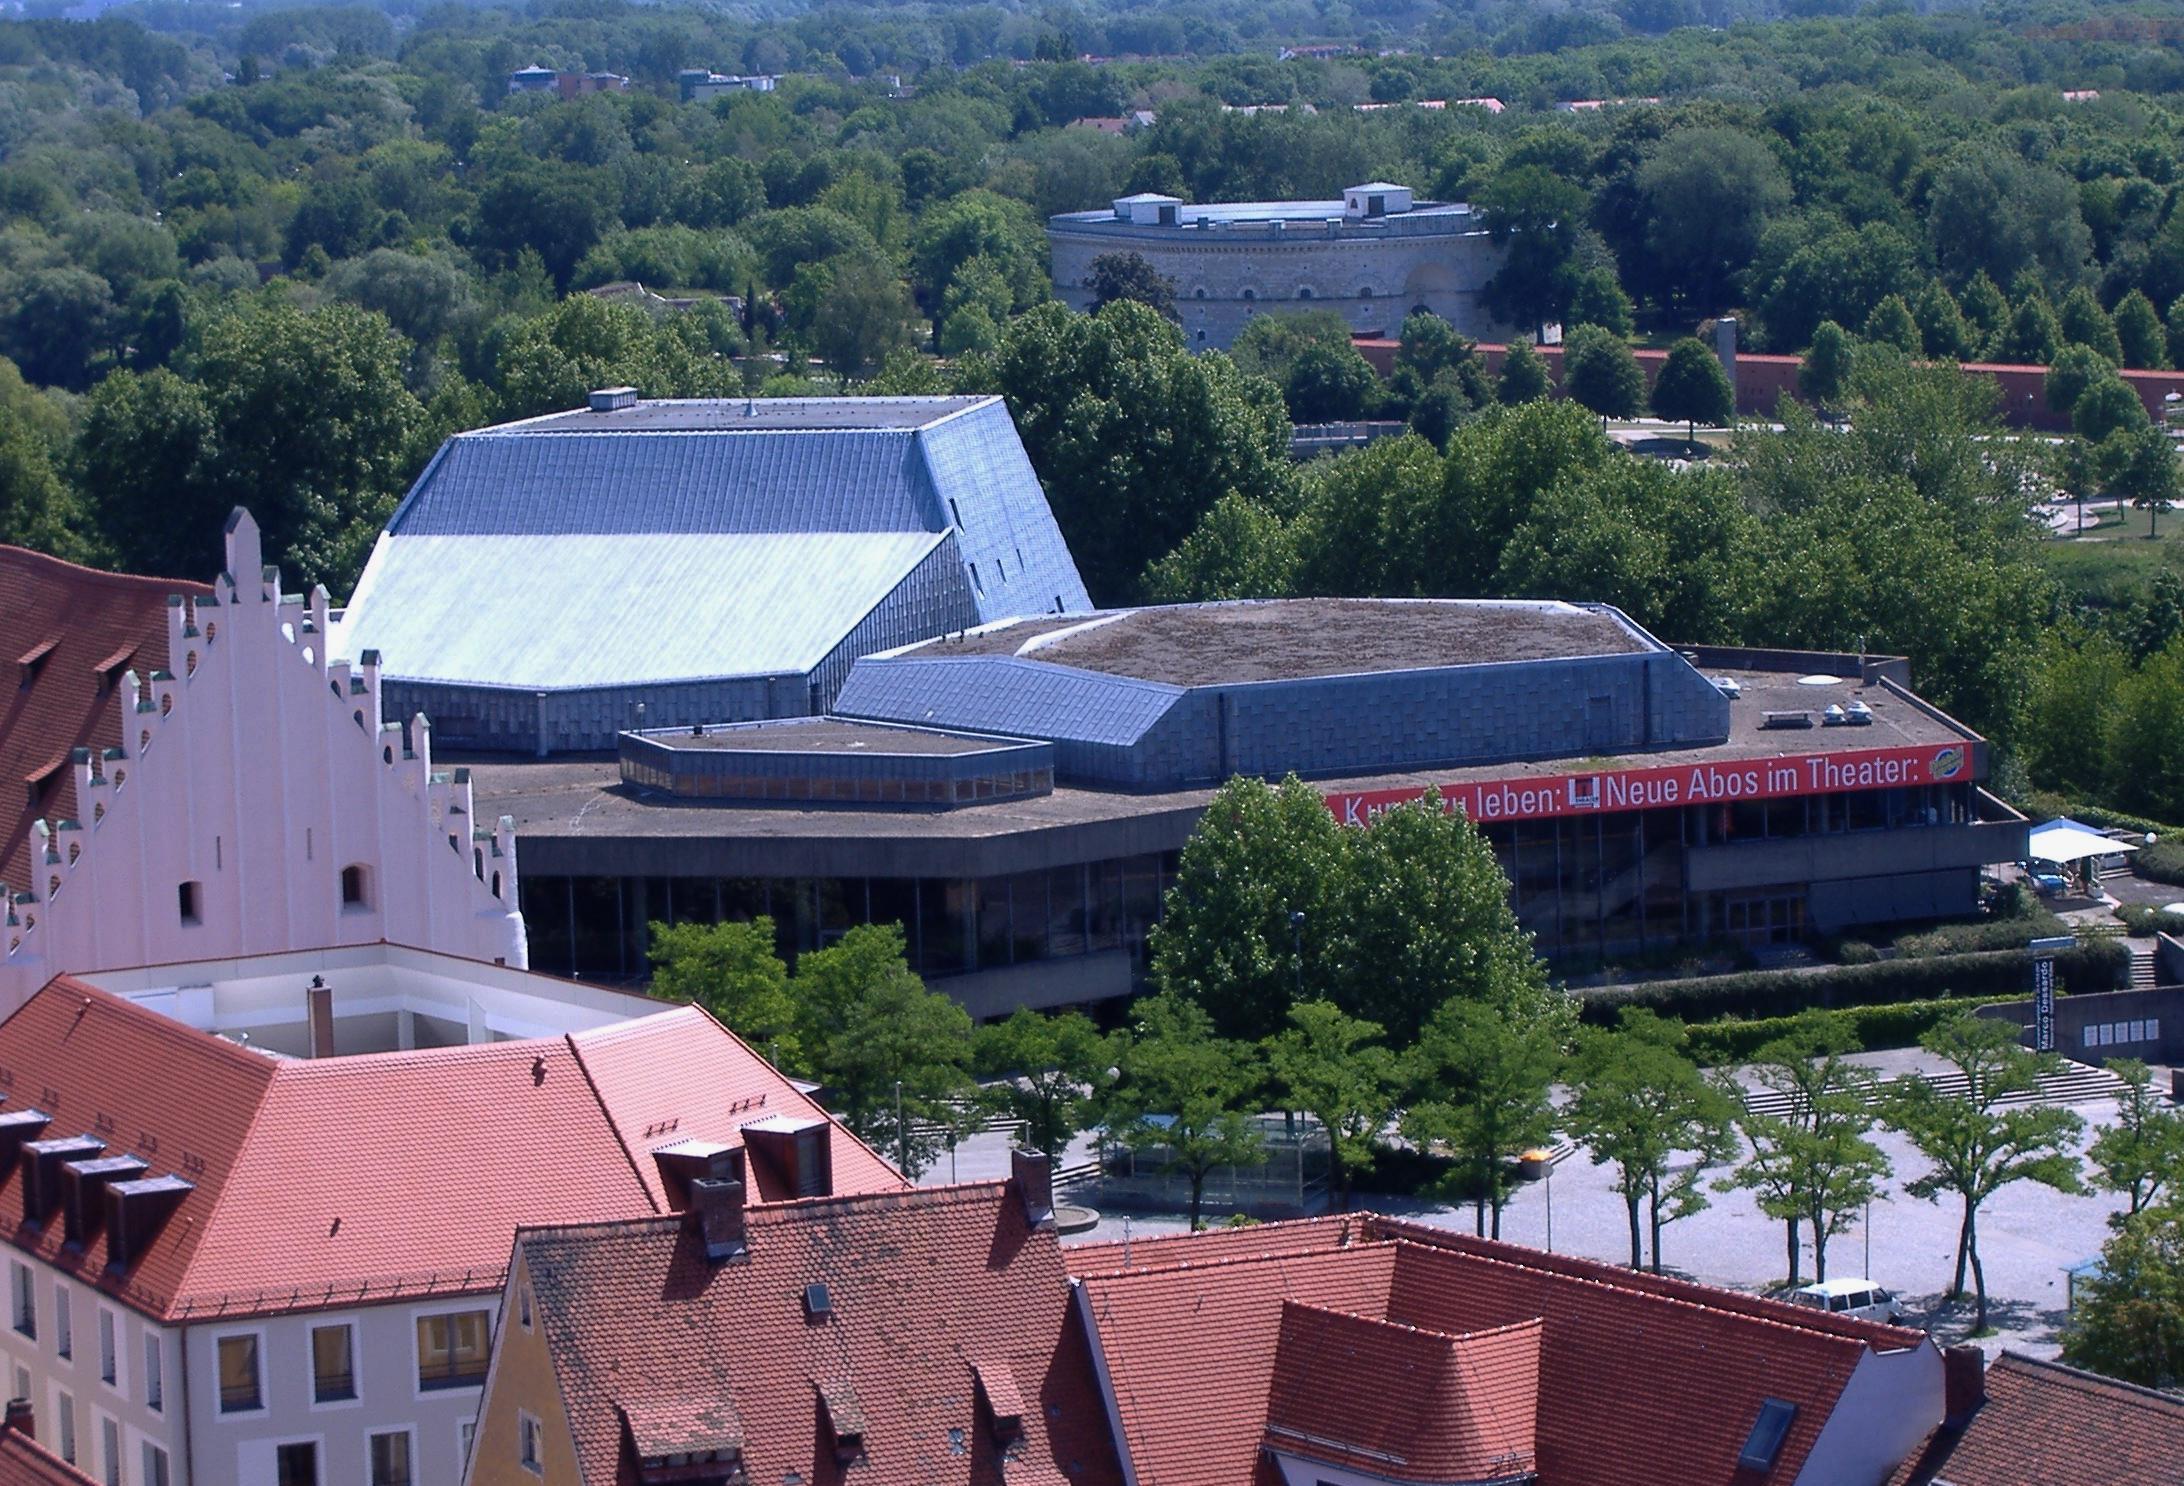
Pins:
<point x="1296" y="947"/>
<point x="902" y="1133"/>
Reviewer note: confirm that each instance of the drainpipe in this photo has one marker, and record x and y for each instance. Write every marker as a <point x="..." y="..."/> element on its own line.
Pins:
<point x="189" y="1433"/>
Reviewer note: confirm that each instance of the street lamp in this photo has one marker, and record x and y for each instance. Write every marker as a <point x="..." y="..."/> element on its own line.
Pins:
<point x="902" y="1133"/>
<point x="1296" y="947"/>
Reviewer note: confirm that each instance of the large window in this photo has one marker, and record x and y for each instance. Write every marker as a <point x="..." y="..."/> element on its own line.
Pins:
<point x="391" y="1460"/>
<point x="64" y="1328"/>
<point x="452" y="1349"/>
<point x="333" y="1363"/>
<point x="239" y="1390"/>
<point x="155" y="1374"/>
<point x="23" y="1290"/>
<point x="155" y="1465"/>
<point x="296" y="1465"/>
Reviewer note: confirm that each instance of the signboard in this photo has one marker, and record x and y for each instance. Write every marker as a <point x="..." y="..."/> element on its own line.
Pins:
<point x="1544" y="796"/>
<point x="2043" y="989"/>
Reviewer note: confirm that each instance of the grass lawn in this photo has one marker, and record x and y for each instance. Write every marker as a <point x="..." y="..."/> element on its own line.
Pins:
<point x="2111" y="565"/>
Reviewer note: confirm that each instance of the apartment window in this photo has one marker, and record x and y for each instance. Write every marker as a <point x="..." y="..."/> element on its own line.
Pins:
<point x="109" y="1349"/>
<point x="155" y="1465"/>
<point x="109" y="1451"/>
<point x="333" y="1363"/>
<point x="64" y="1426"/>
<point x="239" y="1391"/>
<point x="189" y="897"/>
<point x="64" y="1328"/>
<point x="391" y="1460"/>
<point x="452" y="1349"/>
<point x="465" y="1433"/>
<point x="295" y="1465"/>
<point x="529" y="1436"/>
<point x="155" y="1390"/>
<point x="25" y="1292"/>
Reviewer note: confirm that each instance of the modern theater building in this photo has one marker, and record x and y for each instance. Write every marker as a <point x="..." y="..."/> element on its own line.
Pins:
<point x="1016" y="795"/>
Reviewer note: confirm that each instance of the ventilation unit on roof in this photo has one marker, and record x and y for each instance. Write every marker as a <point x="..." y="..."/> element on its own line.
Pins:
<point x="613" y="399"/>
<point x="1769" y="1430"/>
<point x="1787" y="720"/>
<point x="1728" y="687"/>
<point x="1859" y="713"/>
<point x="1834" y="716"/>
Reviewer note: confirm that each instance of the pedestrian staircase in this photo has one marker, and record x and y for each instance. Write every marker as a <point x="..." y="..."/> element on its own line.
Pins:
<point x="2144" y="976"/>
<point x="2072" y="1083"/>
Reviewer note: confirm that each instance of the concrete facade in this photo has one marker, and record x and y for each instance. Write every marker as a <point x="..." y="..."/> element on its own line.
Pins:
<point x="1231" y="263"/>
<point x="261" y="803"/>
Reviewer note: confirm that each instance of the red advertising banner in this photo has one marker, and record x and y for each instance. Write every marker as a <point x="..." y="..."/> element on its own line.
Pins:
<point x="1540" y="796"/>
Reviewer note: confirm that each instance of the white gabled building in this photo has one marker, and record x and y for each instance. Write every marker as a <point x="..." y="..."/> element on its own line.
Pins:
<point x="256" y="801"/>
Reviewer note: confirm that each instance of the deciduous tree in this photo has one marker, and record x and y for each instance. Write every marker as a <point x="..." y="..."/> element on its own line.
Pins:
<point x="1182" y="1090"/>
<point x="2141" y="1156"/>
<point x="2128" y="1318"/>
<point x="1479" y="1078"/>
<point x="732" y="971"/>
<point x="1047" y="1071"/>
<point x="1599" y="372"/>
<point x="1336" y="1069"/>
<point x="1692" y="388"/>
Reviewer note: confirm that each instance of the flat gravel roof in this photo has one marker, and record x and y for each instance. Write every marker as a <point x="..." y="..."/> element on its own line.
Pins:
<point x="1201" y="645"/>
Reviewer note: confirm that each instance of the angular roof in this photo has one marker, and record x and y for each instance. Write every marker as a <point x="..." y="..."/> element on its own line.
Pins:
<point x="335" y="1181"/>
<point x="25" y="1462"/>
<point x="1638" y="1379"/>
<point x="950" y="1330"/>
<point x="672" y="541"/>
<point x="2044" y="1424"/>
<point x="69" y="627"/>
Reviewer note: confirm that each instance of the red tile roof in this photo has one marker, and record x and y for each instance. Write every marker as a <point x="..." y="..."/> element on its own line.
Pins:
<point x="345" y="1179"/>
<point x="24" y="1462"/>
<point x="1641" y="1380"/>
<point x="946" y="1305"/>
<point x="2045" y="1424"/>
<point x="66" y="625"/>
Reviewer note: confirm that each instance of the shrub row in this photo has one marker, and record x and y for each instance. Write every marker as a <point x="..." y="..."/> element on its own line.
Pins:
<point x="1996" y="933"/>
<point x="2144" y="919"/>
<point x="1875" y="1027"/>
<point x="2096" y="965"/>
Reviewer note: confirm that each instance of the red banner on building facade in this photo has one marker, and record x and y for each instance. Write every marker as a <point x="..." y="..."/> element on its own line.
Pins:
<point x="1542" y="796"/>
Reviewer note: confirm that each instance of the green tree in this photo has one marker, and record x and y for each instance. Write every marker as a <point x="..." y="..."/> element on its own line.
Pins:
<point x="2084" y="323"/>
<point x="1638" y="1103"/>
<point x="2128" y="1320"/>
<point x="2075" y="687"/>
<point x="1942" y="328"/>
<point x="1693" y="389"/>
<point x="1181" y="1090"/>
<point x="1335" y="1068"/>
<point x="2139" y="333"/>
<point x="2074" y="369"/>
<point x="732" y="971"/>
<point x="552" y="361"/>
<point x="2141" y="1156"/>
<point x="1524" y="375"/>
<point x="2173" y="322"/>
<point x="1255" y="919"/>
<point x="2107" y="406"/>
<point x="1599" y="373"/>
<point x="1133" y="436"/>
<point x="37" y="510"/>
<point x="1811" y="1166"/>
<point x="1709" y="192"/>
<point x="980" y="224"/>
<point x="1986" y="314"/>
<point x="1428" y="921"/>
<point x="1480" y="1079"/>
<point x="1046" y="1071"/>
<point x="2142" y="461"/>
<point x="1825" y="375"/>
<point x="1269" y="344"/>
<point x="1238" y="550"/>
<point x="973" y="309"/>
<point x="58" y="325"/>
<point x="1597" y="298"/>
<point x="2033" y="335"/>
<point x="1993" y="211"/>
<point x="1128" y="276"/>
<point x="891" y="1055"/>
<point x="865" y="317"/>
<point x="1892" y="324"/>
<point x="1974" y="1146"/>
<point x="1327" y="385"/>
<point x="1542" y="213"/>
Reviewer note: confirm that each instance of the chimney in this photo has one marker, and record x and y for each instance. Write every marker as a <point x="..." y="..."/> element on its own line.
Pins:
<point x="716" y="1212"/>
<point x="1964" y="1384"/>
<point x="1725" y="349"/>
<point x="20" y="1419"/>
<point x="318" y="1000"/>
<point x="1034" y="1178"/>
<point x="613" y="399"/>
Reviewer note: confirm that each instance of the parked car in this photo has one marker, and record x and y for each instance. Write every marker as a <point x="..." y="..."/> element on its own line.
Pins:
<point x="1856" y="1297"/>
<point x="2047" y="878"/>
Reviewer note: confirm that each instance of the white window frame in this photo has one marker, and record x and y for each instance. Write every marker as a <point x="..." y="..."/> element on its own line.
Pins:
<point x="527" y="1426"/>
<point x="155" y="1370"/>
<point x="409" y="1431"/>
<point x="417" y="1361"/>
<point x="113" y="1349"/>
<point x="112" y="1467"/>
<point x="356" y="1360"/>
<point x="64" y="1321"/>
<point x="265" y="1378"/>
<point x="148" y="1448"/>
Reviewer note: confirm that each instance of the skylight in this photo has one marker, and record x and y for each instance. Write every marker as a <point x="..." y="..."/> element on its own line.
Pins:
<point x="1769" y="1430"/>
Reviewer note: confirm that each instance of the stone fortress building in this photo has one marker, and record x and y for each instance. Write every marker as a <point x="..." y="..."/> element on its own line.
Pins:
<point x="1372" y="257"/>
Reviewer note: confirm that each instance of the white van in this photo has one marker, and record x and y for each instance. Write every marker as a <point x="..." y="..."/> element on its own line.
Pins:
<point x="1859" y="1298"/>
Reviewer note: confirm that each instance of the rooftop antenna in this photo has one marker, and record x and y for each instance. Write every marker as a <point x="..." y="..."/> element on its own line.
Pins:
<point x="1125" y="1240"/>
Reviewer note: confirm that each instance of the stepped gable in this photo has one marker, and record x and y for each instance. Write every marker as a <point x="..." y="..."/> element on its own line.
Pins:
<point x="76" y="631"/>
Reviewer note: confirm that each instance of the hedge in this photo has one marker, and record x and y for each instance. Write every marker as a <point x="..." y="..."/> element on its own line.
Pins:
<point x="1998" y="933"/>
<point x="1874" y="1027"/>
<point x="2144" y="919"/>
<point x="1999" y="975"/>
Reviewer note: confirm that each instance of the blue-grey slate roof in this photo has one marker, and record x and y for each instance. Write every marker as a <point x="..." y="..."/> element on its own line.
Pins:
<point x="675" y="541"/>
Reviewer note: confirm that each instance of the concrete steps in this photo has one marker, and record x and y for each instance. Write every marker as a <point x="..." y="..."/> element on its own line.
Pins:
<point x="2073" y="1083"/>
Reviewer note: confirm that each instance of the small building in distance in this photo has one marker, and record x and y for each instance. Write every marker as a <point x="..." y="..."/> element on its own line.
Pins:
<point x="549" y="583"/>
<point x="1371" y="257"/>
<point x="258" y="1211"/>
<point x="565" y="84"/>
<point x="697" y="84"/>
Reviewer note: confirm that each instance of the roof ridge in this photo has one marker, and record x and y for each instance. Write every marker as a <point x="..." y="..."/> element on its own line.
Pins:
<point x="606" y="1117"/>
<point x="1233" y="1261"/>
<point x="31" y="557"/>
<point x="946" y="1195"/>
<point x="2086" y="1377"/>
<point x="1361" y="1238"/>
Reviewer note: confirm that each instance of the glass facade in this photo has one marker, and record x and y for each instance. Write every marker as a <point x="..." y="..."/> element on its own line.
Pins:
<point x="1585" y="885"/>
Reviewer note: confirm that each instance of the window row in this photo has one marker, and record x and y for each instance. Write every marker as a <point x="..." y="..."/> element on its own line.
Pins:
<point x="23" y="1315"/>
<point x="108" y="1466"/>
<point x="355" y="894"/>
<point x="452" y="1350"/>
